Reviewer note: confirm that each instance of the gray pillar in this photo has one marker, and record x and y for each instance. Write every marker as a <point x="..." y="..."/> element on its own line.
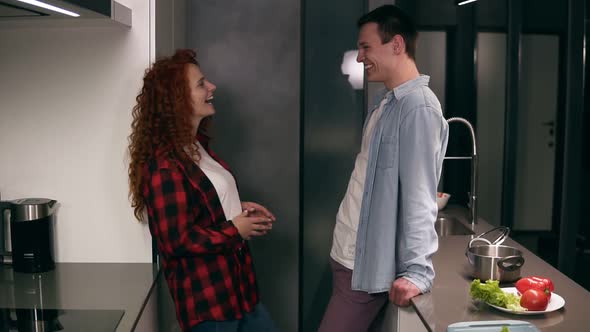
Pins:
<point x="513" y="52"/>
<point x="251" y="51"/>
<point x="571" y="197"/>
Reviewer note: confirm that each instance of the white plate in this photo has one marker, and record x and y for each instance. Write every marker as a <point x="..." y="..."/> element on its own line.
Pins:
<point x="555" y="303"/>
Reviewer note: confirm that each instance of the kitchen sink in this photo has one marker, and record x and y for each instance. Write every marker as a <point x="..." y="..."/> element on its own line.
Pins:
<point x="446" y="226"/>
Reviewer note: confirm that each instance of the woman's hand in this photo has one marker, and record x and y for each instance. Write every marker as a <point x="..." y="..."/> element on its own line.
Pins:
<point x="249" y="226"/>
<point x="257" y="210"/>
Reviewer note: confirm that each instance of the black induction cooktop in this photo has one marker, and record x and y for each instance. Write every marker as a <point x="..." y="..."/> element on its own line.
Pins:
<point x="64" y="320"/>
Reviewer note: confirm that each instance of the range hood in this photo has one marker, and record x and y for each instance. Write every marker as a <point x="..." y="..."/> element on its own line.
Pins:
<point x="15" y="12"/>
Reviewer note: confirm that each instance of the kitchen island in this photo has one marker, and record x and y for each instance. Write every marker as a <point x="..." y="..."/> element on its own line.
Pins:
<point x="80" y="296"/>
<point x="449" y="300"/>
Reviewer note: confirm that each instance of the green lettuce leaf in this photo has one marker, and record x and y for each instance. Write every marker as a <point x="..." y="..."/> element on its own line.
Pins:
<point x="491" y="293"/>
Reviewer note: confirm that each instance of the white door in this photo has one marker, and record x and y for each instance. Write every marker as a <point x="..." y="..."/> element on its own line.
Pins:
<point x="535" y="147"/>
<point x="491" y="107"/>
<point x="535" y="160"/>
<point x="431" y="59"/>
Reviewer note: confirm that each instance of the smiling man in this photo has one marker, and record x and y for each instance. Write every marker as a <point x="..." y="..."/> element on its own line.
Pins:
<point x="384" y="236"/>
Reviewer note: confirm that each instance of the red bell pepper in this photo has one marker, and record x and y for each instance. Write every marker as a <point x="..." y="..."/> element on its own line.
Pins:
<point x="547" y="282"/>
<point x="534" y="300"/>
<point x="544" y="285"/>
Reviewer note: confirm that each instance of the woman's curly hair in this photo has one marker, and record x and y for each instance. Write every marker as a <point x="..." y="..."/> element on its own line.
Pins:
<point x="162" y="120"/>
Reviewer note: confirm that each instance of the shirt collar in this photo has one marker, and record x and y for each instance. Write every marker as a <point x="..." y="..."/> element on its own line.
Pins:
<point x="409" y="86"/>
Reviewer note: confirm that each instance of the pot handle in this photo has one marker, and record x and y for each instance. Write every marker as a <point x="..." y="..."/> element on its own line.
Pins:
<point x="510" y="263"/>
<point x="4" y="228"/>
<point x="504" y="231"/>
<point x="478" y="239"/>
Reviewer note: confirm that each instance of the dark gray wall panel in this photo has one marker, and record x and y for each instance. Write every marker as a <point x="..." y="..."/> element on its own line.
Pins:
<point x="544" y="16"/>
<point x="333" y="116"/>
<point x="250" y="50"/>
<point x="491" y="14"/>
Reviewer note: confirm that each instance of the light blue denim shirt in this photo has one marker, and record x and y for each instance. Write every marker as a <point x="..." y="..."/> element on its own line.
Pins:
<point x="396" y="236"/>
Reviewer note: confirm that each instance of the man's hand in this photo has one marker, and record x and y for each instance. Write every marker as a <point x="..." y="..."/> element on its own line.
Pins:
<point x="257" y="210"/>
<point x="402" y="290"/>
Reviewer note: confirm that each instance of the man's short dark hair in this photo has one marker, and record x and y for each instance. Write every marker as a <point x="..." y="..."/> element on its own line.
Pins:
<point x="391" y="21"/>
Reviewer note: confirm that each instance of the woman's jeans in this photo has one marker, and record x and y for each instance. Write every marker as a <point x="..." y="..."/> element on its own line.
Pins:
<point x="256" y="321"/>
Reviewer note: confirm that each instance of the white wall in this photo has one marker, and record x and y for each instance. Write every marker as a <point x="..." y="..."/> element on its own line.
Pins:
<point x="66" y="95"/>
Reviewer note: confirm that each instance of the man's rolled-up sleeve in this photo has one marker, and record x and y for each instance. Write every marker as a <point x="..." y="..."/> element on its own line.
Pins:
<point x="421" y="145"/>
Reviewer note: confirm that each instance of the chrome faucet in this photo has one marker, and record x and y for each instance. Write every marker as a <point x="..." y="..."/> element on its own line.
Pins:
<point x="473" y="194"/>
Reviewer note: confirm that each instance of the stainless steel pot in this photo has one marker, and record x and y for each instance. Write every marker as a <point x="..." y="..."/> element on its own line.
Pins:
<point x="493" y="260"/>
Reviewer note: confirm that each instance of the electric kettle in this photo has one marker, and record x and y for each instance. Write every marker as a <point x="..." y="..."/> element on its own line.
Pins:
<point x="28" y="231"/>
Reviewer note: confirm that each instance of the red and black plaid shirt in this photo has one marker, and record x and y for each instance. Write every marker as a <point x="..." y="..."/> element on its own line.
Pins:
<point x="208" y="267"/>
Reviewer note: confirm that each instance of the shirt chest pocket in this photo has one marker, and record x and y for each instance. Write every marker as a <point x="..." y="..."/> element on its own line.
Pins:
<point x="386" y="152"/>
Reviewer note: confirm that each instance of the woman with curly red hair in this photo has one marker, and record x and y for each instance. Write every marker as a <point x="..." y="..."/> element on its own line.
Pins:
<point x="192" y="202"/>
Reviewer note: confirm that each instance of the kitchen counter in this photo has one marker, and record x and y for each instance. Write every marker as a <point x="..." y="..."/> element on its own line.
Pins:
<point x="125" y="288"/>
<point x="449" y="300"/>
<point x="95" y="290"/>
